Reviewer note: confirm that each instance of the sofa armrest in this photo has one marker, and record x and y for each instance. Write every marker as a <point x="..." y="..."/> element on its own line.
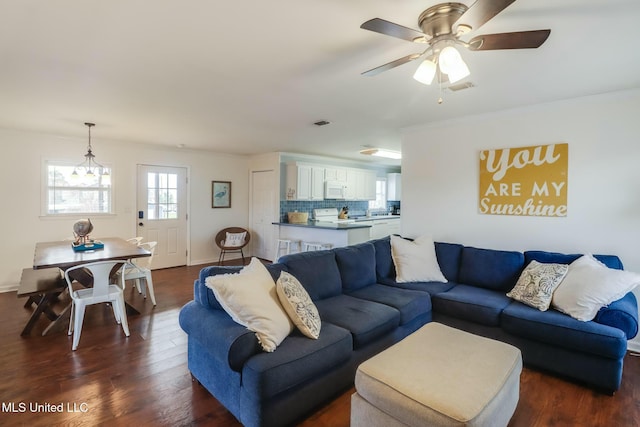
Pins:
<point x="621" y="314"/>
<point x="227" y="341"/>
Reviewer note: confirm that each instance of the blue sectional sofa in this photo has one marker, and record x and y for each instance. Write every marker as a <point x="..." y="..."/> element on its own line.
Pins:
<point x="364" y="310"/>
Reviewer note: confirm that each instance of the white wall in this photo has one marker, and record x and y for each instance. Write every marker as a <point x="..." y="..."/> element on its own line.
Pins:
<point x="23" y="154"/>
<point x="440" y="171"/>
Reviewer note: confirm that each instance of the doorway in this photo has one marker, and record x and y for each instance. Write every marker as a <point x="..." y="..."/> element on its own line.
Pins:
<point x="162" y="212"/>
<point x="263" y="196"/>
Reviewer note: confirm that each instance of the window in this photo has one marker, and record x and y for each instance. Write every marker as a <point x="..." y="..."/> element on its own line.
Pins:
<point x="381" y="195"/>
<point x="76" y="194"/>
<point x="162" y="195"/>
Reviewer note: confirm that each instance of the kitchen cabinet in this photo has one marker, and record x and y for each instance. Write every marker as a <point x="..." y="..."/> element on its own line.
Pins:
<point x="393" y="226"/>
<point x="361" y="184"/>
<point x="382" y="227"/>
<point x="394" y="186"/>
<point x="304" y="182"/>
<point x="335" y="174"/>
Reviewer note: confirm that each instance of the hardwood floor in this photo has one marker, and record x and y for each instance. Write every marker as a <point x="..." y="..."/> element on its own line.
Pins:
<point x="143" y="380"/>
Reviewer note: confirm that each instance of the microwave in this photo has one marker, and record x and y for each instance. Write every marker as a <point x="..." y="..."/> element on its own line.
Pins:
<point x="334" y="190"/>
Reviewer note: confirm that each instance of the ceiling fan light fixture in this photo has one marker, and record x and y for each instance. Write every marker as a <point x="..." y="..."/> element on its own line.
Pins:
<point x="452" y="65"/>
<point x="425" y="72"/>
<point x="381" y="152"/>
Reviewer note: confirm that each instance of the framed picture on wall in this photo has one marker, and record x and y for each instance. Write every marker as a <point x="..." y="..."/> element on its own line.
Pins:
<point x="220" y="194"/>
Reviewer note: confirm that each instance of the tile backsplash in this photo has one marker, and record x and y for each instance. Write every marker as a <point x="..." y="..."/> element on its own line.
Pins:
<point x="355" y="207"/>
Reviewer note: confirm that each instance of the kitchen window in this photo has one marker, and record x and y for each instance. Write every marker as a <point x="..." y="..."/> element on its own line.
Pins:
<point x="66" y="193"/>
<point x="381" y="195"/>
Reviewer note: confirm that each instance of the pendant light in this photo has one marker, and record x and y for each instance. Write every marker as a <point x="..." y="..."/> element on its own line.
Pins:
<point x="90" y="166"/>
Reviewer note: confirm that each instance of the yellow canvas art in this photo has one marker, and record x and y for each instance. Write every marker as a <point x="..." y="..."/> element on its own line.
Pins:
<point x="526" y="181"/>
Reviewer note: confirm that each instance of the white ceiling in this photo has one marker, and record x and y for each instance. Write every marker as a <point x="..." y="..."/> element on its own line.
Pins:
<point x="245" y="77"/>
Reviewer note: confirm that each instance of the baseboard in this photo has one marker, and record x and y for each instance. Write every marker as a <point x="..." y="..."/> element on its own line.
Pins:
<point x="634" y="346"/>
<point x="8" y="288"/>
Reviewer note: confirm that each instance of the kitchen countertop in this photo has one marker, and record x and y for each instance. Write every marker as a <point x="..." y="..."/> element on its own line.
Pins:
<point x="325" y="225"/>
<point x="374" y="217"/>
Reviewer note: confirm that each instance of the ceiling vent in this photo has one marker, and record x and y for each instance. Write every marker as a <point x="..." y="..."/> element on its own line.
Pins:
<point x="460" y="86"/>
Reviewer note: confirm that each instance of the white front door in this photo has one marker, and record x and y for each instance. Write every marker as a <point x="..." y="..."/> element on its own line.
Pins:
<point x="262" y="213"/>
<point x="162" y="213"/>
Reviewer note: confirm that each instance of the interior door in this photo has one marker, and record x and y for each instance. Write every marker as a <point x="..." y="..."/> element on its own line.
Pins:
<point x="262" y="213"/>
<point x="162" y="213"/>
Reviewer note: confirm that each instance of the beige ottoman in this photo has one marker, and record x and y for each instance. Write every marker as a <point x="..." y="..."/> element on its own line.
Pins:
<point x="438" y="376"/>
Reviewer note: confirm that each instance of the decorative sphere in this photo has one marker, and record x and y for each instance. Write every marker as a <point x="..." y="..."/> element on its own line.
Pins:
<point x="82" y="227"/>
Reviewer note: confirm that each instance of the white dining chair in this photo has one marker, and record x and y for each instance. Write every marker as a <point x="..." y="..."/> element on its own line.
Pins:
<point x="139" y="270"/>
<point x="135" y="240"/>
<point x="101" y="292"/>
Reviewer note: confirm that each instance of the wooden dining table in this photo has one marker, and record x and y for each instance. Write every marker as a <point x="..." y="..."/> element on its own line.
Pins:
<point x="61" y="254"/>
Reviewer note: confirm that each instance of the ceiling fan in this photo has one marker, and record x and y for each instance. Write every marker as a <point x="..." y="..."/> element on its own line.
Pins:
<point x="442" y="27"/>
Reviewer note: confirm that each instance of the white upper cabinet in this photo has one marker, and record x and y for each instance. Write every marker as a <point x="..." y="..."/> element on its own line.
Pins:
<point x="335" y="174"/>
<point x="394" y="186"/>
<point x="361" y="184"/>
<point x="304" y="182"/>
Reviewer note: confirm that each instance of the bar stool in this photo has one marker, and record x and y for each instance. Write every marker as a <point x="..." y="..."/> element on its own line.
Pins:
<point x="284" y="246"/>
<point x="315" y="246"/>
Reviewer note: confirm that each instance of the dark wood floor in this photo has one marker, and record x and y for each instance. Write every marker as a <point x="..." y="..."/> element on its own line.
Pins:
<point x="143" y="380"/>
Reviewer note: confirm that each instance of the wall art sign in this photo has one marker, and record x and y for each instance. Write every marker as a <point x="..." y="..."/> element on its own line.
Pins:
<point x="525" y="181"/>
<point x="220" y="194"/>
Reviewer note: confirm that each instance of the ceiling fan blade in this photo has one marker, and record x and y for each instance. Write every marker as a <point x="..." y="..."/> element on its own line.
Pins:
<point x="392" y="64"/>
<point x="394" y="30"/>
<point x="516" y="40"/>
<point x="482" y="11"/>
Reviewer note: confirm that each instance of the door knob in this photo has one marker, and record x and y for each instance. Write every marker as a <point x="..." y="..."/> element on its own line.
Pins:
<point x="141" y="224"/>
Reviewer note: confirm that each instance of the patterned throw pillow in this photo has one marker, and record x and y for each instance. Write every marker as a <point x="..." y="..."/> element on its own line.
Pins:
<point x="298" y="305"/>
<point x="250" y="299"/>
<point x="537" y="283"/>
<point x="234" y="239"/>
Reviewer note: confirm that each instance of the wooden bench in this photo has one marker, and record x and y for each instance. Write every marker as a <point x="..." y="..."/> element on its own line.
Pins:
<point x="42" y="287"/>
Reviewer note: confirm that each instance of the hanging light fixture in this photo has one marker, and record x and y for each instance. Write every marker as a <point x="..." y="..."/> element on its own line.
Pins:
<point x="90" y="166"/>
<point x="452" y="65"/>
<point x="445" y="57"/>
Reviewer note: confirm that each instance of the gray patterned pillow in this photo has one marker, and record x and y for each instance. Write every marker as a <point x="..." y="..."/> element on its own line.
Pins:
<point x="537" y="283"/>
<point x="296" y="302"/>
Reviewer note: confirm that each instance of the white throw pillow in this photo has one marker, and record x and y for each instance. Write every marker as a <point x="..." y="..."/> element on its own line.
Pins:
<point x="298" y="305"/>
<point x="590" y="285"/>
<point x="537" y="283"/>
<point x="415" y="261"/>
<point x="250" y="298"/>
<point x="233" y="240"/>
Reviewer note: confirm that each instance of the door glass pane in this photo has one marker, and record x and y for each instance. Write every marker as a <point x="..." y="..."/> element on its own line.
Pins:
<point x="162" y="196"/>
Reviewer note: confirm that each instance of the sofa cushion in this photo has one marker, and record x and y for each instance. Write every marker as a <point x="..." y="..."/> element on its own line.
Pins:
<point x="489" y="268"/>
<point x="537" y="282"/>
<point x="298" y="359"/>
<point x="415" y="261"/>
<point x="431" y="288"/>
<point x="296" y="302"/>
<point x="366" y="320"/>
<point x="558" y="329"/>
<point x="448" y="255"/>
<point x="357" y="265"/>
<point x="610" y="261"/>
<point x="205" y="296"/>
<point x="621" y="314"/>
<point x="411" y="304"/>
<point x="589" y="286"/>
<point x="471" y="303"/>
<point x="250" y="298"/>
<point x="384" y="263"/>
<point x="317" y="271"/>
